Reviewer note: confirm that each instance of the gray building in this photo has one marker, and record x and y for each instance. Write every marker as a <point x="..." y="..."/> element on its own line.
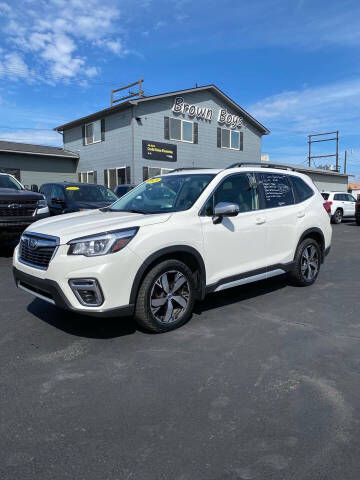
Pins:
<point x="140" y="138"/>
<point x="37" y="164"/>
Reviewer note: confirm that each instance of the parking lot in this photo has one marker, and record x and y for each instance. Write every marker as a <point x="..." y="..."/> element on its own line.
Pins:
<point x="262" y="383"/>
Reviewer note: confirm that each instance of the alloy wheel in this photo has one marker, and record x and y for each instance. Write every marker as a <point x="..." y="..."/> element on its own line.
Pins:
<point x="309" y="263"/>
<point x="169" y="296"/>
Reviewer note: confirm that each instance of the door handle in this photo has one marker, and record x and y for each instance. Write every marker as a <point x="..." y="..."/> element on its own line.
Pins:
<point x="260" y="220"/>
<point x="301" y="214"/>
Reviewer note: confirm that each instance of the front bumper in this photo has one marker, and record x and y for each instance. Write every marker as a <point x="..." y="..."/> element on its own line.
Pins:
<point x="16" y="225"/>
<point x="50" y="291"/>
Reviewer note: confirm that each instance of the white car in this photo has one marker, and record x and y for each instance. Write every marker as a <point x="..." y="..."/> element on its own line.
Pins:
<point x="340" y="204"/>
<point x="175" y="238"/>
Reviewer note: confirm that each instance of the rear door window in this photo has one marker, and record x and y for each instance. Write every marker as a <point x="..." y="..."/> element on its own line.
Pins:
<point x="325" y="196"/>
<point x="339" y="196"/>
<point x="302" y="191"/>
<point x="276" y="189"/>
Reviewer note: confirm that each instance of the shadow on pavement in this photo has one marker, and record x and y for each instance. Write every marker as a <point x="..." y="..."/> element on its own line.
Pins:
<point x="238" y="294"/>
<point x="81" y="325"/>
<point x="7" y="249"/>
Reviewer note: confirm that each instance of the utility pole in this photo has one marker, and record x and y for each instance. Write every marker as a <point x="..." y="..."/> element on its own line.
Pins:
<point x="337" y="150"/>
<point x="345" y="158"/>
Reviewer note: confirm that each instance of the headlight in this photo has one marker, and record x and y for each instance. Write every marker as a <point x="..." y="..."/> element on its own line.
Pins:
<point x="102" y="243"/>
<point x="42" y="203"/>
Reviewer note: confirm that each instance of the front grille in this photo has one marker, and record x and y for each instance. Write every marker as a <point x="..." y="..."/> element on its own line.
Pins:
<point x="37" y="250"/>
<point x="25" y="208"/>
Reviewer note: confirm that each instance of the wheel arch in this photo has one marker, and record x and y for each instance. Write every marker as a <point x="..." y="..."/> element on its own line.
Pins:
<point x="317" y="235"/>
<point x="184" y="253"/>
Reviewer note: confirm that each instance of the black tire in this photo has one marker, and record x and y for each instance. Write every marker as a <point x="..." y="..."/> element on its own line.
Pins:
<point x="357" y="220"/>
<point x="300" y="275"/>
<point x="147" y="313"/>
<point x="337" y="217"/>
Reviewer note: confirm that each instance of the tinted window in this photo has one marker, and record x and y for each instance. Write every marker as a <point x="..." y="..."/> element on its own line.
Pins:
<point x="350" y="198"/>
<point x="277" y="190"/>
<point x="325" y="196"/>
<point x="240" y="189"/>
<point x="301" y="190"/>
<point x="87" y="193"/>
<point x="57" y="192"/>
<point x="9" y="182"/>
<point x="338" y="196"/>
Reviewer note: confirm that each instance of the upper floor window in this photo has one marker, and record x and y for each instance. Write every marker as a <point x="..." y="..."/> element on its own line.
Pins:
<point x="231" y="139"/>
<point x="182" y="130"/>
<point x="94" y="132"/>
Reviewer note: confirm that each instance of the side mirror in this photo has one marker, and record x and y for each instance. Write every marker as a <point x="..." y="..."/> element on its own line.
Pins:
<point x="34" y="188"/>
<point x="57" y="201"/>
<point x="225" y="209"/>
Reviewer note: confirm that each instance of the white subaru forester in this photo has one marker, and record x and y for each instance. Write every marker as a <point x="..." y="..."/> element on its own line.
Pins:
<point x="175" y="238"/>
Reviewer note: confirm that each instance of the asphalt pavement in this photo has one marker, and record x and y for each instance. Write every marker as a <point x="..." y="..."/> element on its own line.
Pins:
<point x="263" y="383"/>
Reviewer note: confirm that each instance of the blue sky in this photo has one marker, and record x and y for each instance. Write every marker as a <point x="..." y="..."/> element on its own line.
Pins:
<point x="294" y="65"/>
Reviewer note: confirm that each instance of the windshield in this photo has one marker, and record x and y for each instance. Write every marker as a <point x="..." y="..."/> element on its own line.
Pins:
<point x="9" y="182"/>
<point x="173" y="193"/>
<point x="87" y="193"/>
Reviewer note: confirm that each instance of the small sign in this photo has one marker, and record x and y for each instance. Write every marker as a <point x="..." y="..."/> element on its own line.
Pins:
<point x="165" y="152"/>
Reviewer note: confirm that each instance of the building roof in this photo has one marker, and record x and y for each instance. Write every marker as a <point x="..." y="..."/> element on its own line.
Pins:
<point x="306" y="169"/>
<point x="354" y="185"/>
<point x="31" y="149"/>
<point x="124" y="105"/>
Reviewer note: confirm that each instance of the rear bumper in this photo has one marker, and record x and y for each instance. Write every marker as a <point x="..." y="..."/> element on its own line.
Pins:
<point x="50" y="291"/>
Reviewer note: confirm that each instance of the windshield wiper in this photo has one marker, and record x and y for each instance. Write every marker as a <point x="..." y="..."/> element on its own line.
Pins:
<point x="108" y="209"/>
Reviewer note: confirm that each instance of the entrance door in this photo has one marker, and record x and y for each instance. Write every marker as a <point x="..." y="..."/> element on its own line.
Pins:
<point x="237" y="245"/>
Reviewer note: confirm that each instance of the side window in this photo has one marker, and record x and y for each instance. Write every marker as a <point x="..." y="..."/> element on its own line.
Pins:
<point x="338" y="196"/>
<point x="277" y="190"/>
<point x="57" y="192"/>
<point x="240" y="189"/>
<point x="350" y="198"/>
<point x="301" y="189"/>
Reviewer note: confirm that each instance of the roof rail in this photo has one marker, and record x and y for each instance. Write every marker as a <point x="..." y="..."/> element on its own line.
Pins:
<point x="263" y="164"/>
<point x="188" y="168"/>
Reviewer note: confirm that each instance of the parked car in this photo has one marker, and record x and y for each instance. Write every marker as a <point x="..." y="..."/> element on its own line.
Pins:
<point x="357" y="212"/>
<point x="65" y="197"/>
<point x="341" y="205"/>
<point x="120" y="190"/>
<point x="18" y="207"/>
<point x="175" y="238"/>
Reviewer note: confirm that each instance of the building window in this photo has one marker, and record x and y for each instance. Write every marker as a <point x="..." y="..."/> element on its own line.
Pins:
<point x="230" y="139"/>
<point x="88" y="177"/>
<point x="181" y="130"/>
<point x="149" y="172"/>
<point x="116" y="176"/>
<point x="93" y="132"/>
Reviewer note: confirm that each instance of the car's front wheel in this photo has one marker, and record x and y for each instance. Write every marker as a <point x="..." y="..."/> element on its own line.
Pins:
<point x="306" y="263"/>
<point x="166" y="297"/>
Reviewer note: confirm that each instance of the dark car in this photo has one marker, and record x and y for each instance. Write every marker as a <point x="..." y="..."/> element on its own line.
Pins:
<point x="18" y="207"/>
<point x="66" y="197"/>
<point x="120" y="190"/>
<point x="357" y="211"/>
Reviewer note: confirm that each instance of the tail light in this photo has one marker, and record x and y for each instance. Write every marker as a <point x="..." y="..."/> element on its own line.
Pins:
<point x="327" y="206"/>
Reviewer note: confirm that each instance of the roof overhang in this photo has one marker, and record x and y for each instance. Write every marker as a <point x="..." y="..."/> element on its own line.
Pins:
<point x="73" y="156"/>
<point x="129" y="103"/>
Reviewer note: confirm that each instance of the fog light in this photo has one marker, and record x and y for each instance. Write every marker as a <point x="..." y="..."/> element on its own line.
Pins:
<point x="87" y="291"/>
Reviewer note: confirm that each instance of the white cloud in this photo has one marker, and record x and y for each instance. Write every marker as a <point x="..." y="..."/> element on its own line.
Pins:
<point x="13" y="66"/>
<point x="291" y="116"/>
<point x="62" y="36"/>
<point x="38" y="137"/>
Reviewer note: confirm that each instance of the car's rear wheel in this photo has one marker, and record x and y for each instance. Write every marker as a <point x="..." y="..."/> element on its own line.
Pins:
<point x="337" y="217"/>
<point x="306" y="263"/>
<point x="357" y="219"/>
<point x="166" y="297"/>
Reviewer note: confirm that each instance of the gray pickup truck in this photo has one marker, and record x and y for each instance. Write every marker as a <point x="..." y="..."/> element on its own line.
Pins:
<point x="18" y="207"/>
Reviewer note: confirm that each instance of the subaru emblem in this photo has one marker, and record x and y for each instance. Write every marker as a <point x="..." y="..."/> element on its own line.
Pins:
<point x="33" y="243"/>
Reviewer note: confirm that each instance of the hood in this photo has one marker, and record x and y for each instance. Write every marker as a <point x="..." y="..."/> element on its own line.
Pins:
<point x="89" y="205"/>
<point x="80" y="224"/>
<point x="18" y="195"/>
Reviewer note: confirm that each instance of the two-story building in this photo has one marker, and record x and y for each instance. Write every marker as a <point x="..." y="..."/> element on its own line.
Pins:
<point x="147" y="136"/>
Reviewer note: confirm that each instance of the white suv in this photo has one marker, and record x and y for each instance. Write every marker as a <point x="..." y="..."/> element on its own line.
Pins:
<point x="175" y="238"/>
<point x="340" y="205"/>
